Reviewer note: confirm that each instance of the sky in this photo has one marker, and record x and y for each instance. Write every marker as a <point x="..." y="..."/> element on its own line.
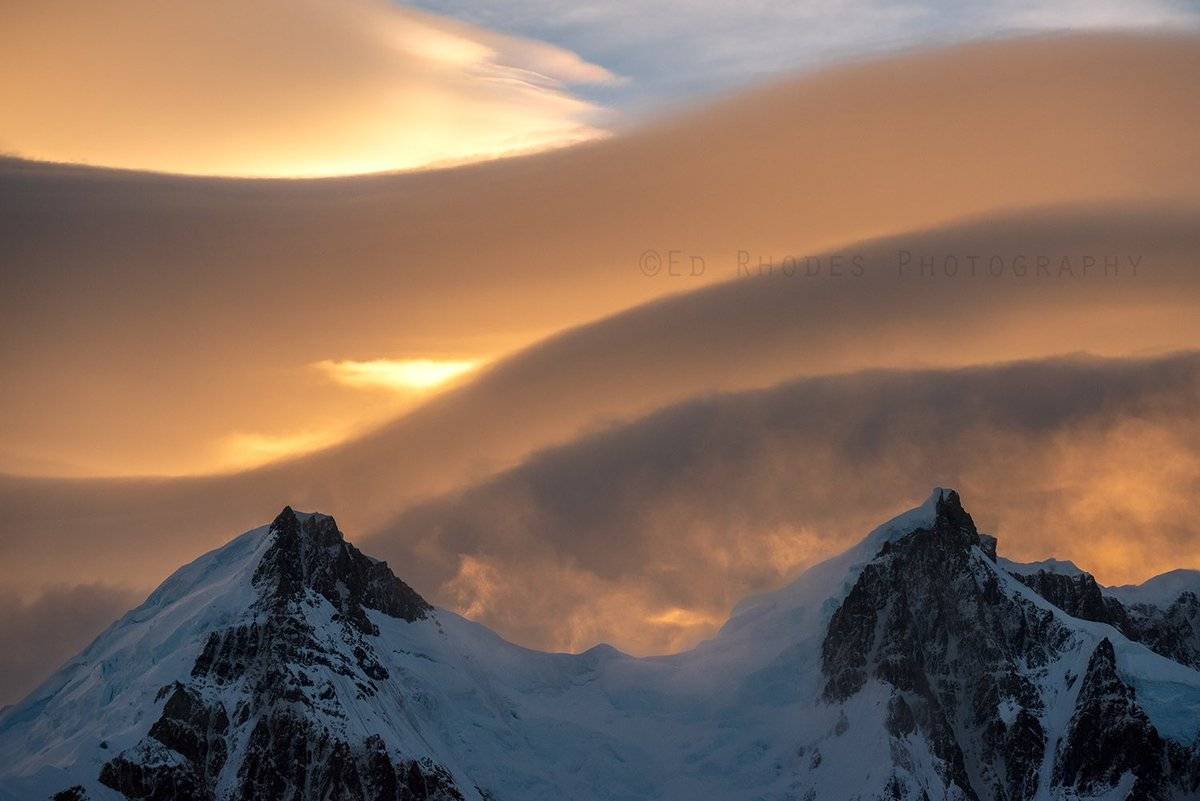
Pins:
<point x="697" y="329"/>
<point x="668" y="52"/>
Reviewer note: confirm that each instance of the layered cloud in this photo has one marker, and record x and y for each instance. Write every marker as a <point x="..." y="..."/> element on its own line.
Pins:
<point x="277" y="87"/>
<point x="221" y="294"/>
<point x="744" y="334"/>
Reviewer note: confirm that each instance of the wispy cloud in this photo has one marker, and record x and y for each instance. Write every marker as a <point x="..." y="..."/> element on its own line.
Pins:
<point x="688" y="47"/>
<point x="278" y="87"/>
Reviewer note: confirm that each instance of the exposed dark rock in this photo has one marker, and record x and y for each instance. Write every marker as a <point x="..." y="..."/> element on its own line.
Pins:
<point x="314" y="555"/>
<point x="1024" y="744"/>
<point x="900" y="719"/>
<point x="152" y="780"/>
<point x="193" y="729"/>
<point x="229" y="653"/>
<point x="1109" y="736"/>
<point x="987" y="544"/>
<point x="76" y="793"/>
<point x="288" y="758"/>
<point x="270" y="662"/>
<point x="928" y="617"/>
<point x="188" y="727"/>
<point x="1078" y="596"/>
<point x="1173" y="632"/>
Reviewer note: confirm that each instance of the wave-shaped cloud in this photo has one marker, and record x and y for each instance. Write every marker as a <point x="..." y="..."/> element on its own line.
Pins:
<point x="744" y="334"/>
<point x="277" y="87"/>
<point x="221" y="293"/>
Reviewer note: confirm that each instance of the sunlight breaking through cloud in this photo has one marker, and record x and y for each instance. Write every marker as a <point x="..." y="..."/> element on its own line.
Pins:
<point x="397" y="374"/>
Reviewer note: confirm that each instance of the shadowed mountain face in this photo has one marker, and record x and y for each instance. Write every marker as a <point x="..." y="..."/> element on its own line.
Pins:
<point x="968" y="663"/>
<point x="1173" y="630"/>
<point x="288" y="665"/>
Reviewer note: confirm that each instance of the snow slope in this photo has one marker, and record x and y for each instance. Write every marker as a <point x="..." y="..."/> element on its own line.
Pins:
<point x="1161" y="590"/>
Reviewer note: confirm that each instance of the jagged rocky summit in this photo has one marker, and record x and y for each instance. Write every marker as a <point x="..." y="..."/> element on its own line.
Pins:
<point x="917" y="665"/>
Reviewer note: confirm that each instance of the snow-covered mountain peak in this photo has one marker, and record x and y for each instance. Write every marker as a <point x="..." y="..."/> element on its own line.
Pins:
<point x="826" y="581"/>
<point x="942" y="502"/>
<point x="289" y="665"/>
<point x="308" y="552"/>
<point x="1160" y="590"/>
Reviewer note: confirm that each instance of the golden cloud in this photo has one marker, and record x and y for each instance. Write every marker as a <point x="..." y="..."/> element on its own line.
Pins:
<point x="242" y="450"/>
<point x="277" y="87"/>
